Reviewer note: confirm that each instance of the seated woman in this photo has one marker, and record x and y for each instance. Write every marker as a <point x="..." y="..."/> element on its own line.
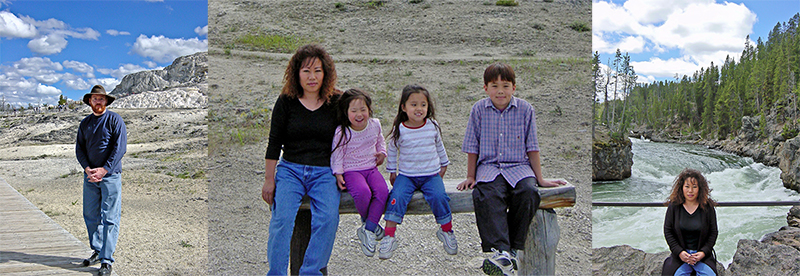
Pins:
<point x="690" y="227"/>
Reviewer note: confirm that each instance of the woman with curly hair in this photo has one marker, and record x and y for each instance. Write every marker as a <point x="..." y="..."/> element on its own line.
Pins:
<point x="690" y="227"/>
<point x="303" y="123"/>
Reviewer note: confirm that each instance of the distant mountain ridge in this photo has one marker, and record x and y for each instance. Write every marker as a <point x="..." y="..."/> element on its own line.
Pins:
<point x="183" y="84"/>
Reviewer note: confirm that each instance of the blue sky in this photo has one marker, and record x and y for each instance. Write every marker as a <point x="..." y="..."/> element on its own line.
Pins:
<point x="49" y="48"/>
<point x="681" y="36"/>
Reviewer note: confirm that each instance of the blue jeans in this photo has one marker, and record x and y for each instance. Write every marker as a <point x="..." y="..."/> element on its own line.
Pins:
<point x="432" y="188"/>
<point x="701" y="268"/>
<point x="292" y="182"/>
<point x="101" y="213"/>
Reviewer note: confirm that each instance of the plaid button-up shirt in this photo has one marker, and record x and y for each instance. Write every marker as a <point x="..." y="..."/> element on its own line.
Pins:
<point x="501" y="139"/>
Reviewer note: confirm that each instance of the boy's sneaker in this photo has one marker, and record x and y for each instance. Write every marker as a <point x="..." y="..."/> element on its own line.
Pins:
<point x="368" y="242"/>
<point x="499" y="264"/>
<point x="516" y="256"/>
<point x="387" y="247"/>
<point x="448" y="241"/>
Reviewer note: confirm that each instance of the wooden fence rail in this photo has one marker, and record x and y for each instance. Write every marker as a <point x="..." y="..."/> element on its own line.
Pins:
<point x="539" y="257"/>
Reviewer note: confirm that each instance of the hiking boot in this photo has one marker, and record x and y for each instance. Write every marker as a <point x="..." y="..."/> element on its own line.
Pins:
<point x="387" y="247"/>
<point x="105" y="270"/>
<point x="368" y="241"/>
<point x="448" y="241"/>
<point x="91" y="260"/>
<point x="499" y="264"/>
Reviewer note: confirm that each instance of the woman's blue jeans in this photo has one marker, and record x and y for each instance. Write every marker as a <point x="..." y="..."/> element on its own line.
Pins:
<point x="292" y="182"/>
<point x="701" y="268"/>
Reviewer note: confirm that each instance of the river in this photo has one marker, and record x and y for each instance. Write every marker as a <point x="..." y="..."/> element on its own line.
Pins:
<point x="655" y="165"/>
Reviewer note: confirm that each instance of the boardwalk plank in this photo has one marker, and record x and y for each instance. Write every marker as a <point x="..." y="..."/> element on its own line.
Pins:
<point x="31" y="243"/>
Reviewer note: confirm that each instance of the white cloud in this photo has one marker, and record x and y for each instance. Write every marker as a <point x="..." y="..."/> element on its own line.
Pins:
<point x="699" y="31"/>
<point x="704" y="28"/>
<point x="80" y="67"/>
<point x="150" y="64"/>
<point x="645" y="79"/>
<point x="122" y="70"/>
<point x="201" y="31"/>
<point x="162" y="49"/>
<point x="19" y="91"/>
<point x="14" y="27"/>
<point x="108" y="83"/>
<point x="113" y="32"/>
<point x="75" y="82"/>
<point x="51" y="35"/>
<point x="654" y="11"/>
<point x="666" y="68"/>
<point x="41" y="69"/>
<point x="608" y="17"/>
<point x="47" y="44"/>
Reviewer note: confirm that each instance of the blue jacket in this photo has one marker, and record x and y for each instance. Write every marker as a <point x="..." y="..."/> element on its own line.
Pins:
<point x="102" y="141"/>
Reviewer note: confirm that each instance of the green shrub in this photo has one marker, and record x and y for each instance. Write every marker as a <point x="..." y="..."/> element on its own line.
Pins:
<point x="580" y="26"/>
<point x="789" y="131"/>
<point x="509" y="3"/>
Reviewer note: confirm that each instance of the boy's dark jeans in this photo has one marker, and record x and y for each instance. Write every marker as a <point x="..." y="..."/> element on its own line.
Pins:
<point x="503" y="213"/>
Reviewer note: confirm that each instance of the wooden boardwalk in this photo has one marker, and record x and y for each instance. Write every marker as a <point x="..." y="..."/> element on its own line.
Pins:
<point x="33" y="244"/>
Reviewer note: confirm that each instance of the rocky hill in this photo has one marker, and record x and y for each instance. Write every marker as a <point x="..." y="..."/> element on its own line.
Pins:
<point x="180" y="85"/>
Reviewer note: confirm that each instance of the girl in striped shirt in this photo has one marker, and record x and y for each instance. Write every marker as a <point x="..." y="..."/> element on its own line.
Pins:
<point x="358" y="150"/>
<point x="416" y="161"/>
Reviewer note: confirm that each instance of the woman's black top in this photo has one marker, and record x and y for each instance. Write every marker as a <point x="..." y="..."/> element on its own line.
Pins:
<point x="305" y="136"/>
<point x="677" y="240"/>
<point x="690" y="225"/>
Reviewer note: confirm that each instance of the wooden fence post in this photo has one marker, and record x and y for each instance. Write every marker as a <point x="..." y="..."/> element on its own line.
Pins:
<point x="300" y="237"/>
<point x="539" y="256"/>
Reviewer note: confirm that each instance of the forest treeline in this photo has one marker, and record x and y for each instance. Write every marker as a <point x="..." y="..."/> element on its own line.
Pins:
<point x="713" y="100"/>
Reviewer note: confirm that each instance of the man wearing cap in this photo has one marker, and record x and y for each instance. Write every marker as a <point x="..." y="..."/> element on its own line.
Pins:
<point x="101" y="143"/>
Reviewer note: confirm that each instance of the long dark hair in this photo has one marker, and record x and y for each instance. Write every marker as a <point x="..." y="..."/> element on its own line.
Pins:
<point x="703" y="198"/>
<point x="342" y="106"/>
<point x="302" y="57"/>
<point x="402" y="116"/>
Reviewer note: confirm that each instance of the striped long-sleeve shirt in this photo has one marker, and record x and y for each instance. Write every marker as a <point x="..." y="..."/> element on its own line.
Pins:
<point x="419" y="151"/>
<point x="357" y="150"/>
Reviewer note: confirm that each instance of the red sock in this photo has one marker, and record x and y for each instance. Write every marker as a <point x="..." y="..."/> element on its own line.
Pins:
<point x="390" y="231"/>
<point x="447" y="227"/>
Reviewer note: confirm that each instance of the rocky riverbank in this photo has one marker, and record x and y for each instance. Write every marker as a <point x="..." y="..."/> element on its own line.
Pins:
<point x="612" y="159"/>
<point x="777" y="253"/>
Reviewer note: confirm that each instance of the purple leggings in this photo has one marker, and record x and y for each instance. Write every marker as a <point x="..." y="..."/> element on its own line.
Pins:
<point x="369" y="191"/>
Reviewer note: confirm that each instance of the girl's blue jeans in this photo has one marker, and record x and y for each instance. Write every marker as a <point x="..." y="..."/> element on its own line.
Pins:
<point x="292" y="182"/>
<point x="432" y="188"/>
<point x="701" y="268"/>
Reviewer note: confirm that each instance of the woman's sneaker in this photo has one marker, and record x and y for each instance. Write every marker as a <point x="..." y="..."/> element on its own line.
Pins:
<point x="499" y="264"/>
<point x="448" y="241"/>
<point x="387" y="247"/>
<point x="368" y="242"/>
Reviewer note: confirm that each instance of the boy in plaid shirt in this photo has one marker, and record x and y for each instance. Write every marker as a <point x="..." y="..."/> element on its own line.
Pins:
<point x="503" y="167"/>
